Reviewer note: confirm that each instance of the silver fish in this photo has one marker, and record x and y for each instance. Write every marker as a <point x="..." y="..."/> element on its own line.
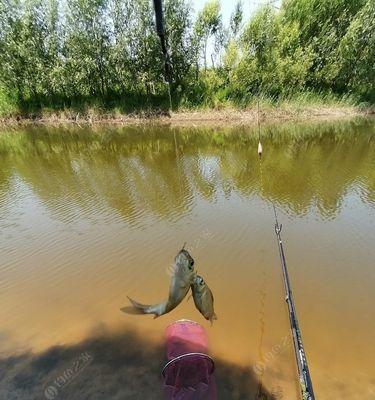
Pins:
<point x="203" y="298"/>
<point x="182" y="278"/>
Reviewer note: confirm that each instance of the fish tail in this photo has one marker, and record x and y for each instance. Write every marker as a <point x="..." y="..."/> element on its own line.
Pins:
<point x="156" y="309"/>
<point x="214" y="317"/>
<point x="138" y="305"/>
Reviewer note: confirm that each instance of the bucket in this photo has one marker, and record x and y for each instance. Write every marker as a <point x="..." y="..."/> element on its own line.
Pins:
<point x="189" y="372"/>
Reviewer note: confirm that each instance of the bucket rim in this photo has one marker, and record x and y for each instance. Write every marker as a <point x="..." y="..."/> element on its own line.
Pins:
<point x="188" y="355"/>
<point x="183" y="321"/>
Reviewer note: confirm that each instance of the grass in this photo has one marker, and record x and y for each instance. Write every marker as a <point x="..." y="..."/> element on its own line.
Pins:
<point x="216" y="107"/>
<point x="7" y="105"/>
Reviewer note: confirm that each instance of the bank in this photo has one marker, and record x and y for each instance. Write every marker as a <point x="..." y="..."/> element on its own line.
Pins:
<point x="182" y="116"/>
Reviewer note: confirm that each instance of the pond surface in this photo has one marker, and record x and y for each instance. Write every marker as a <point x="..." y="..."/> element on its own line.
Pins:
<point x="89" y="216"/>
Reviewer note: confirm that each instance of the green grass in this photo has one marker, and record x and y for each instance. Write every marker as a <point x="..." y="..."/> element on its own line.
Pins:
<point x="8" y="105"/>
<point x="149" y="106"/>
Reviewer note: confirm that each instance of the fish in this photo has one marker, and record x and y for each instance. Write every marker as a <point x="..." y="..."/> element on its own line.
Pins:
<point x="203" y="298"/>
<point x="183" y="276"/>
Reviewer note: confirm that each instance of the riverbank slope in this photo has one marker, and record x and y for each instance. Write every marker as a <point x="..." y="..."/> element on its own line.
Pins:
<point x="230" y="115"/>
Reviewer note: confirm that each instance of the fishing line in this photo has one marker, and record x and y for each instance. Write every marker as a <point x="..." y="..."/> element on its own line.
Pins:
<point x="169" y="95"/>
<point x="260" y="149"/>
<point x="262" y="291"/>
<point x="178" y="164"/>
<point x="262" y="322"/>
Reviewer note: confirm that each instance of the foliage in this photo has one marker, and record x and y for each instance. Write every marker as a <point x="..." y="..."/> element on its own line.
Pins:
<point x="357" y="54"/>
<point x="105" y="53"/>
<point x="207" y="25"/>
<point x="236" y="19"/>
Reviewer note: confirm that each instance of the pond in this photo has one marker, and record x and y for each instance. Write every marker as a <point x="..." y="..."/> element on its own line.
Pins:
<point x="90" y="215"/>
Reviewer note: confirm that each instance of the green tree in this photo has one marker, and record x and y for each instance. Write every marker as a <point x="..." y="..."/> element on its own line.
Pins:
<point x="236" y="19"/>
<point x="207" y="25"/>
<point x="82" y="52"/>
<point x="86" y="48"/>
<point x="23" y="57"/>
<point x="256" y="71"/>
<point x="357" y="54"/>
<point x="179" y="35"/>
<point x="322" y="24"/>
<point x="122" y="72"/>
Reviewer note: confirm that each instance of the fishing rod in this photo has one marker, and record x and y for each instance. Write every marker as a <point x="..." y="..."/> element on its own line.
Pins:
<point x="303" y="369"/>
<point x="299" y="351"/>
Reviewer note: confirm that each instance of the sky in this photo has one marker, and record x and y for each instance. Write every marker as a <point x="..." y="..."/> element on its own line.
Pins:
<point x="227" y="6"/>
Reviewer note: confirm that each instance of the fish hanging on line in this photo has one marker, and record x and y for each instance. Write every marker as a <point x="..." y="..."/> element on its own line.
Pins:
<point x="203" y="298"/>
<point x="182" y="278"/>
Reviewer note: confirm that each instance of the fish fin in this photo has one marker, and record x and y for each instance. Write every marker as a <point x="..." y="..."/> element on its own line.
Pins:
<point x="156" y="309"/>
<point x="212" y="296"/>
<point x="131" y="310"/>
<point x="138" y="305"/>
<point x="213" y="318"/>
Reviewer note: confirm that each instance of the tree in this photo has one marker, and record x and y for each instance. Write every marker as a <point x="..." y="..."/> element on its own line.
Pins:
<point x="179" y="36"/>
<point x="357" y="54"/>
<point x="208" y="24"/>
<point x="86" y="48"/>
<point x="83" y="52"/>
<point x="236" y="19"/>
<point x="322" y="24"/>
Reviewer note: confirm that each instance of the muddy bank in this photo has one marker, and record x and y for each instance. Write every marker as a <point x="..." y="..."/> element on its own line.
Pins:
<point x="231" y="116"/>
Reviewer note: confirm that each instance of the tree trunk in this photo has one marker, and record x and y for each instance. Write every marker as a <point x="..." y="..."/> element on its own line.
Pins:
<point x="205" y="54"/>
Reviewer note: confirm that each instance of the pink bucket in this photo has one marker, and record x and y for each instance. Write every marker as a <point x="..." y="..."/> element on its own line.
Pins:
<point x="188" y="373"/>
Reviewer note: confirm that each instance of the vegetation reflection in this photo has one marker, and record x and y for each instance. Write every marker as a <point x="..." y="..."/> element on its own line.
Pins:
<point x="164" y="171"/>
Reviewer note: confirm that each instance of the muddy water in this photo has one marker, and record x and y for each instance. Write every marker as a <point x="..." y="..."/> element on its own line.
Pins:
<point x="88" y="216"/>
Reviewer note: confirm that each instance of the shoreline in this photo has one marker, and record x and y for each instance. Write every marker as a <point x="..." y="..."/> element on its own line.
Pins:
<point x="226" y="115"/>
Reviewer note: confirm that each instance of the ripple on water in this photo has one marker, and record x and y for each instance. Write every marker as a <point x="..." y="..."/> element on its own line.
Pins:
<point x="85" y="222"/>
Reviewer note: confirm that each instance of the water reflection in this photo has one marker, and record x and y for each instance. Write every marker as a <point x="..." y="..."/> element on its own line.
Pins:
<point x="162" y="170"/>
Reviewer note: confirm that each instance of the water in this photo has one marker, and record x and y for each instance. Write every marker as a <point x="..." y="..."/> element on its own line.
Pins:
<point x="88" y="216"/>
